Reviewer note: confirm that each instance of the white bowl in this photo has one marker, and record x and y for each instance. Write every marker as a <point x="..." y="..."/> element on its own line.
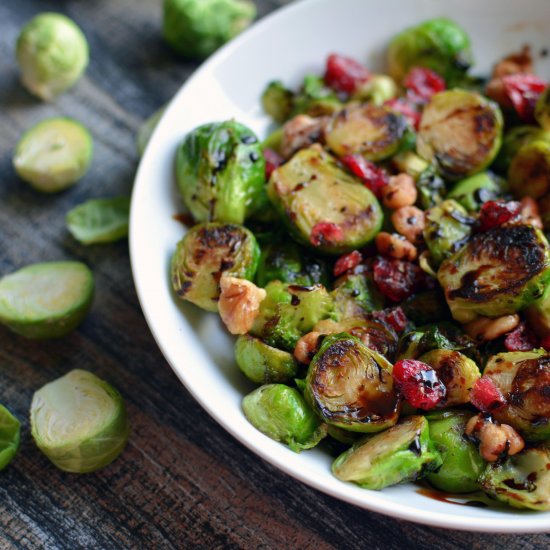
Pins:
<point x="288" y="44"/>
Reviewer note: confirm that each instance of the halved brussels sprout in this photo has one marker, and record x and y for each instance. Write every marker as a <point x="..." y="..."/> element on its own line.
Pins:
<point x="299" y="190"/>
<point x="523" y="377"/>
<point x="290" y="311"/>
<point x="207" y="251"/>
<point x="438" y="44"/>
<point x="315" y="98"/>
<point x="79" y="422"/>
<point x="220" y="170"/>
<point x="472" y="192"/>
<point x="264" y="364"/>
<point x="496" y="273"/>
<point x="448" y="227"/>
<point x="402" y="453"/>
<point x="522" y="480"/>
<point x="426" y="307"/>
<point x="457" y="372"/>
<point x="10" y="429"/>
<point x="542" y="109"/>
<point x="372" y="131"/>
<point x="460" y="132"/>
<point x="355" y="295"/>
<point x="46" y="300"/>
<point x="282" y="414"/>
<point x="277" y="101"/>
<point x="462" y="463"/>
<point x="350" y="386"/>
<point x="529" y="173"/>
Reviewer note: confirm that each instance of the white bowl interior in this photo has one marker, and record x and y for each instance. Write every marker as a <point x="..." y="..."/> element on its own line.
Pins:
<point x="287" y="45"/>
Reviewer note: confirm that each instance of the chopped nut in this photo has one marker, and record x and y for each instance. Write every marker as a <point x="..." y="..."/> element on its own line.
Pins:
<point x="307" y="347"/>
<point x="484" y="329"/>
<point x="395" y="246"/>
<point x="519" y="62"/>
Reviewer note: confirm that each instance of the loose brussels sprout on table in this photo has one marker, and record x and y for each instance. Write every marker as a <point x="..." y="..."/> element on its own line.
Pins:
<point x="9" y="437"/>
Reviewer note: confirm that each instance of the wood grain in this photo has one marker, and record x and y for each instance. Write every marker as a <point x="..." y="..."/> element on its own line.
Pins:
<point x="182" y="482"/>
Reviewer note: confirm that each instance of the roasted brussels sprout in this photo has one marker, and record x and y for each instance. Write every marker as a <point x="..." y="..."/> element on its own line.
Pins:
<point x="372" y="131"/>
<point x="426" y="307"/>
<point x="523" y="377"/>
<point x="457" y="372"/>
<point x="221" y="172"/>
<point x="472" y="192"/>
<point x="299" y="190"/>
<point x="79" y="422"/>
<point x="355" y="295"/>
<point x="438" y="44"/>
<point x="542" y="109"/>
<point x="460" y="132"/>
<point x="448" y="227"/>
<point x="462" y="463"/>
<point x="196" y="28"/>
<point x="52" y="53"/>
<point x="277" y="101"/>
<point x="289" y="311"/>
<point x="205" y="253"/>
<point x="402" y="453"/>
<point x="282" y="414"/>
<point x="264" y="364"/>
<point x="289" y="263"/>
<point x="529" y="173"/>
<point x="350" y="386"/>
<point x="522" y="481"/>
<point x="146" y="130"/>
<point x="431" y="188"/>
<point x="378" y="89"/>
<point x="46" y="300"/>
<point x="315" y="98"/>
<point x="10" y="429"/>
<point x="496" y="273"/>
<point x="431" y="337"/>
<point x="54" y="154"/>
<point x="410" y="163"/>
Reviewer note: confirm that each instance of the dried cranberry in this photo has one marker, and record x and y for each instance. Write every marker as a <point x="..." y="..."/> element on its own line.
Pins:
<point x="394" y="317"/>
<point x="418" y="383"/>
<point x="520" y="339"/>
<point x="272" y="161"/>
<point x="495" y="213"/>
<point x="396" y="279"/>
<point x="545" y="343"/>
<point x="373" y="177"/>
<point x="407" y="108"/>
<point x="422" y="84"/>
<point x="347" y="262"/>
<point x="523" y="91"/>
<point x="325" y="233"/>
<point x="345" y="74"/>
<point x="485" y="396"/>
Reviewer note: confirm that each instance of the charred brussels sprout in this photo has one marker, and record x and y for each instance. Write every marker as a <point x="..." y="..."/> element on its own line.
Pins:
<point x="220" y="171"/>
<point x="523" y="377"/>
<point x="431" y="188"/>
<point x="277" y="101"/>
<point x="542" y="109"/>
<point x="438" y="44"/>
<point x="457" y="372"/>
<point x="289" y="311"/>
<point x="355" y="294"/>
<point x="522" y="481"/>
<point x="263" y="364"/>
<point x="460" y="132"/>
<point x="207" y="251"/>
<point x="402" y="453"/>
<point x="462" y="463"/>
<point x="299" y="190"/>
<point x="529" y="173"/>
<point x="448" y="227"/>
<point x="282" y="414"/>
<point x="372" y="131"/>
<point x="496" y="273"/>
<point x="472" y="192"/>
<point x="350" y="386"/>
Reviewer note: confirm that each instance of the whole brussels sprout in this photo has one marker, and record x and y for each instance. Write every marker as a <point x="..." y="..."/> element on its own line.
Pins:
<point x="196" y="28"/>
<point x="299" y="190"/>
<point x="438" y="44"/>
<point x="448" y="227"/>
<point x="220" y="171"/>
<point x="460" y="132"/>
<point x="498" y="272"/>
<point x="355" y="294"/>
<point x="462" y="463"/>
<point x="282" y="414"/>
<point x="277" y="101"/>
<point x="372" y="131"/>
<point x="350" y="386"/>
<point x="52" y="53"/>
<point x="402" y="453"/>
<point x="542" y="109"/>
<point x="523" y="377"/>
<point x="10" y="432"/>
<point x="472" y="192"/>
<point x="522" y="480"/>
<point x="205" y="253"/>
<point x="290" y="311"/>
<point x="529" y="173"/>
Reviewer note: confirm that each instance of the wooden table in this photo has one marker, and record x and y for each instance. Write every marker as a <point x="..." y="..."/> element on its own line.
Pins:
<point x="182" y="481"/>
